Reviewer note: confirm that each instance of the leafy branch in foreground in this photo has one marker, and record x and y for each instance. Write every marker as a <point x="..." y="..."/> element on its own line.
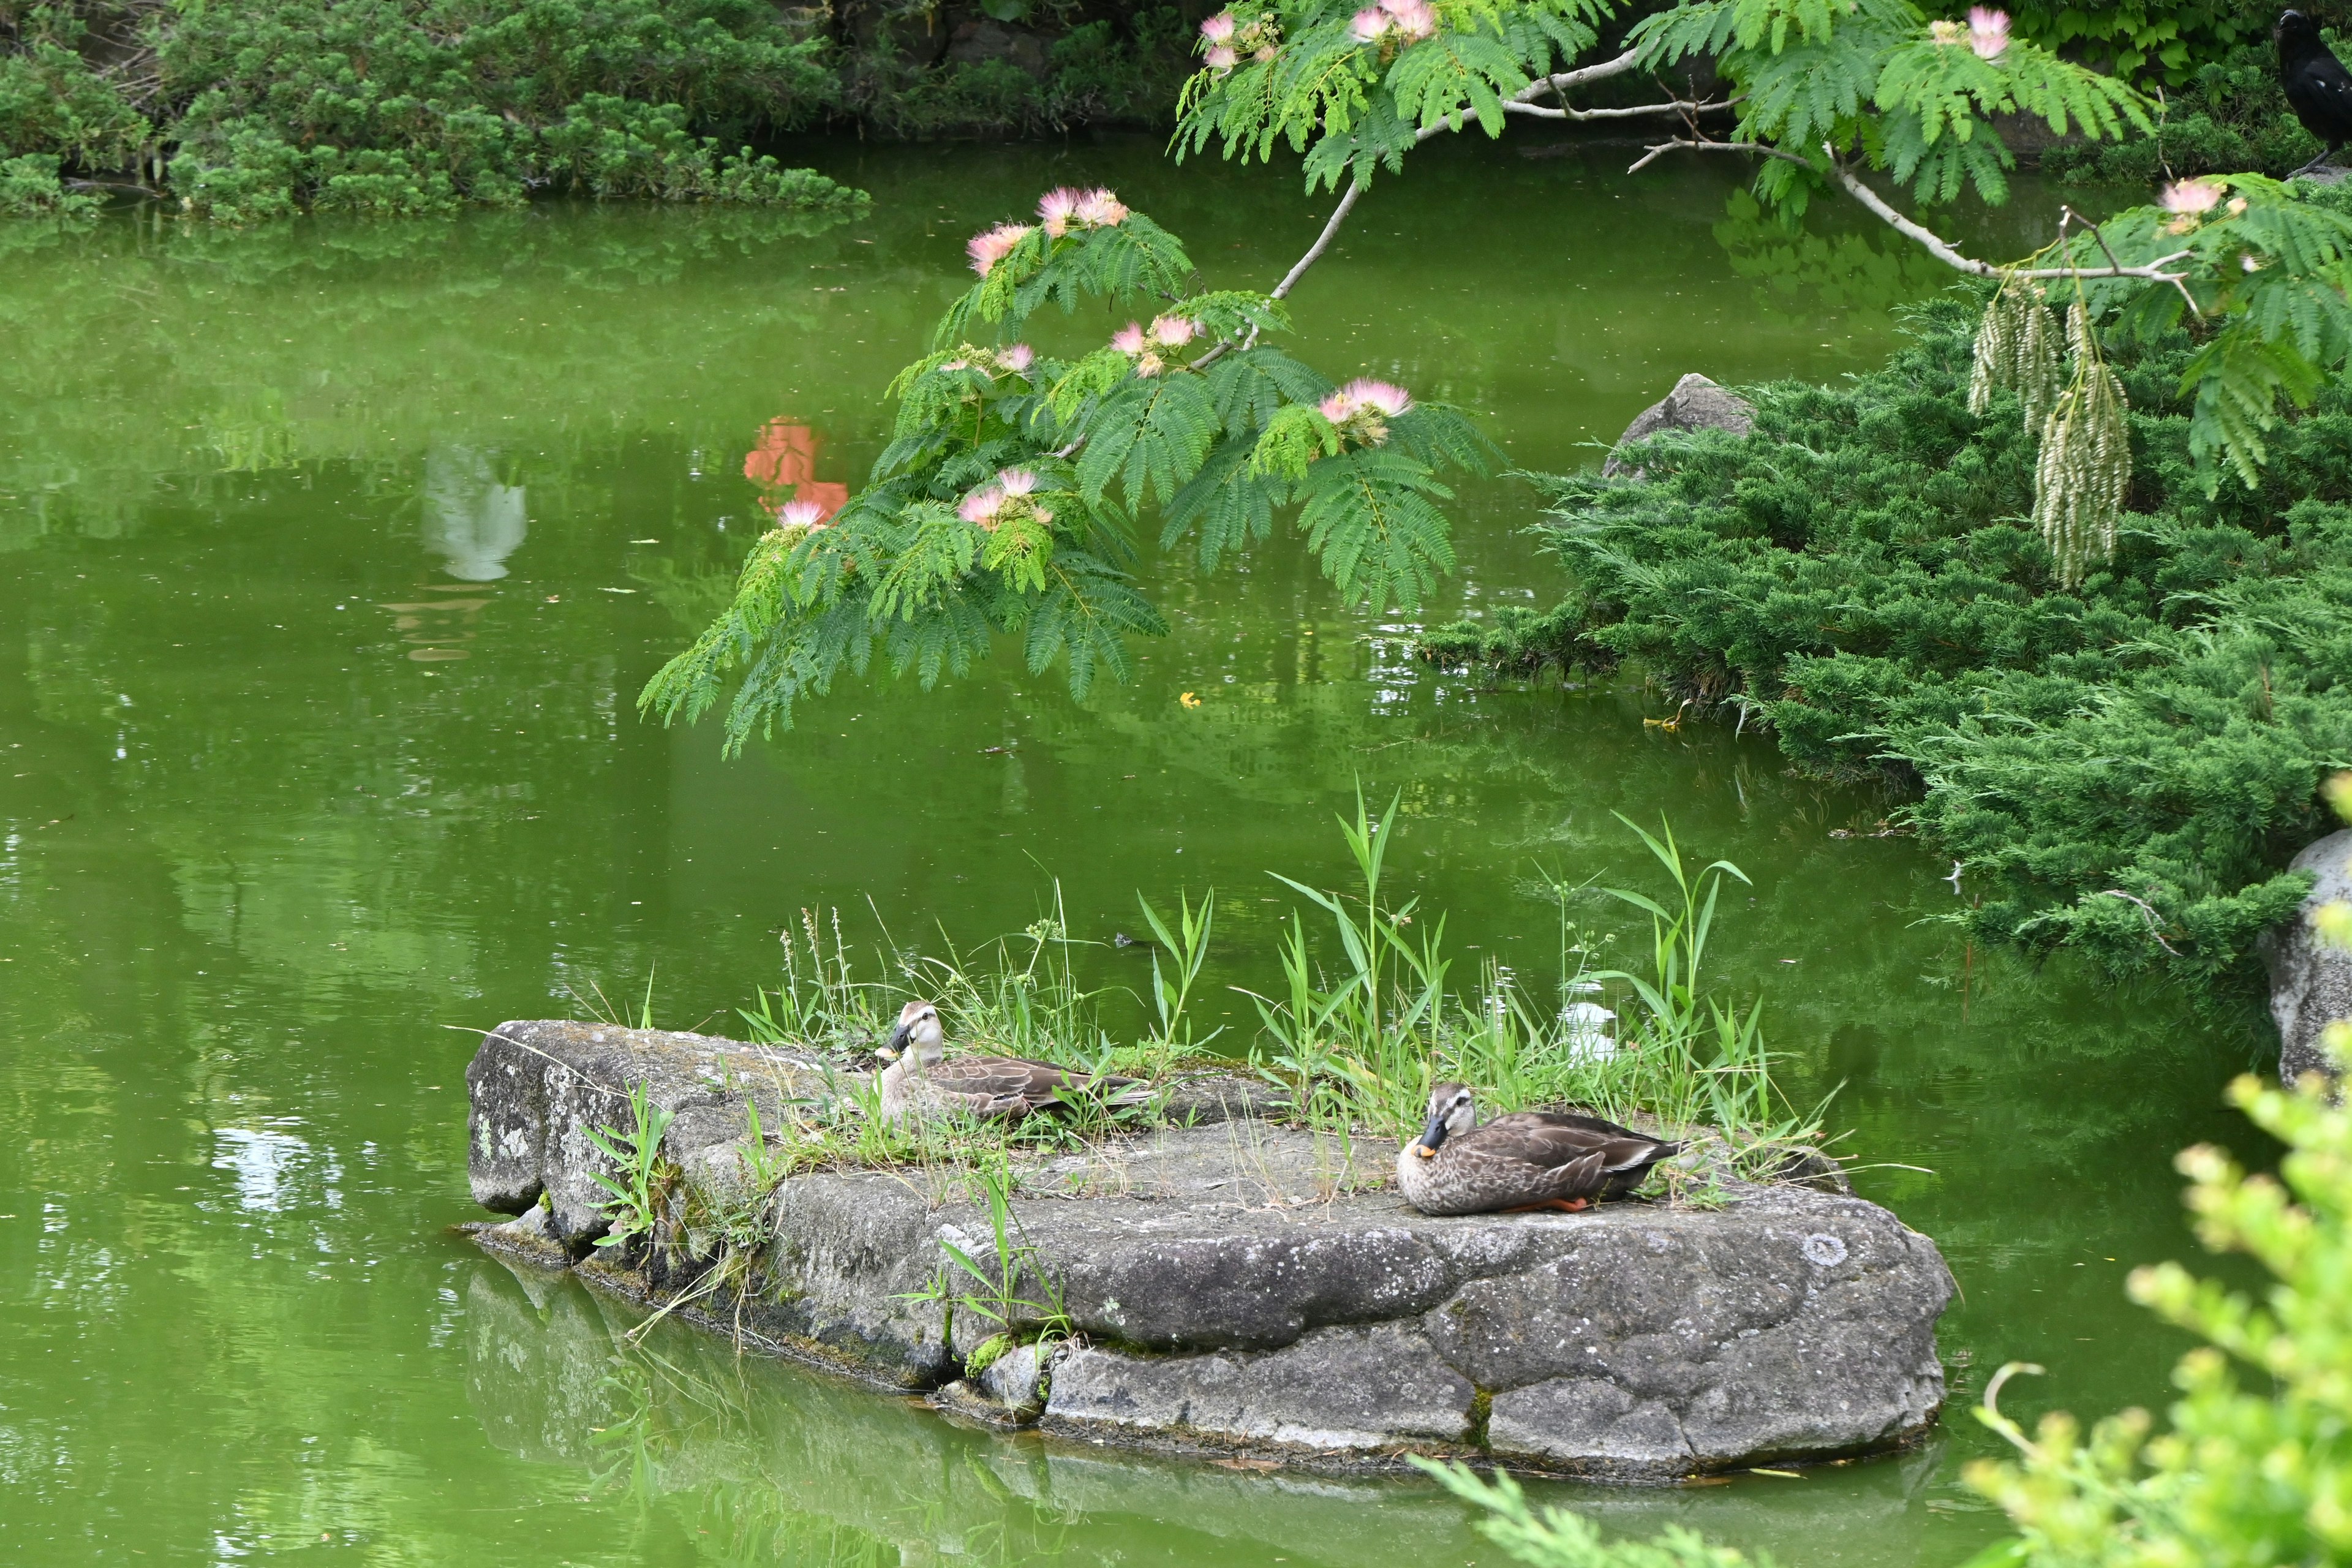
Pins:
<point x="2239" y="1474"/>
<point x="1555" y="1538"/>
<point x="1006" y="500"/>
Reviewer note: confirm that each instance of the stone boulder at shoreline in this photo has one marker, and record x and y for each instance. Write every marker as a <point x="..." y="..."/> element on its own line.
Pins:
<point x="1694" y="403"/>
<point x="1236" y="1287"/>
<point x="2311" y="979"/>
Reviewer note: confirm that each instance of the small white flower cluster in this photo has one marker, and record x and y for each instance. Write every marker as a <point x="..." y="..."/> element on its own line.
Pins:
<point x="1013" y="358"/>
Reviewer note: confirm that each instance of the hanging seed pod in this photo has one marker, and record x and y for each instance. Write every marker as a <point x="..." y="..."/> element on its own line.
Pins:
<point x="2017" y="349"/>
<point x="2085" y="460"/>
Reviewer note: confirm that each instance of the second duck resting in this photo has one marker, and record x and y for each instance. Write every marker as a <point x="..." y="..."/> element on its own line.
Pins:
<point x="922" y="1080"/>
<point x="1519" y="1161"/>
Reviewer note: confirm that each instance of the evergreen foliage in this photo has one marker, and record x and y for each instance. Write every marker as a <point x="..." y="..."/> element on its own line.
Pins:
<point x="2124" y="767"/>
<point x="2225" y="113"/>
<point x="264" y="107"/>
<point x="1006" y="500"/>
<point x="2169" y="40"/>
<point x="1126" y="67"/>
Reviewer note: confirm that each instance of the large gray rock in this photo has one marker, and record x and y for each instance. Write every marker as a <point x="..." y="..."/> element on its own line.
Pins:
<point x="1247" y="1288"/>
<point x="2310" y="980"/>
<point x="1334" y="1391"/>
<point x="1694" y="403"/>
<point x="535" y="1087"/>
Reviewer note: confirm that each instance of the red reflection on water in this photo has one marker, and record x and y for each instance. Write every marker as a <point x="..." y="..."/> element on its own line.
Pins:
<point x="784" y="465"/>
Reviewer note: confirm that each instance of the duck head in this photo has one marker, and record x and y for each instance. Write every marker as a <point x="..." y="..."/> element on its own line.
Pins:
<point x="1451" y="1113"/>
<point x="917" y="1038"/>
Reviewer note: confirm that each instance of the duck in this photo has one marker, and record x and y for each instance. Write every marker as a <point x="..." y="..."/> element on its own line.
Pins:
<point x="1520" y="1161"/>
<point x="922" y="1080"/>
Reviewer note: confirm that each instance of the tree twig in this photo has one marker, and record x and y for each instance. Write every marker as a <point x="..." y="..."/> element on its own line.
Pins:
<point x="2146" y="913"/>
<point x="1678" y="106"/>
<point x="1942" y="250"/>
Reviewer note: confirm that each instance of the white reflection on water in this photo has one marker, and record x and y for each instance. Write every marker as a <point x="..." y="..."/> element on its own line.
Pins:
<point x="471" y="520"/>
<point x="264" y="1162"/>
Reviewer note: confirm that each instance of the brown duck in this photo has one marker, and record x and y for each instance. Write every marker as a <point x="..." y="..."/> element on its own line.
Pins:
<point x="1524" y="1160"/>
<point x="923" y="1081"/>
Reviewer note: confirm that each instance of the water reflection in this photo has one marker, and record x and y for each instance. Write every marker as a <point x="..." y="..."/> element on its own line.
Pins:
<point x="763" y="1462"/>
<point x="782" y="463"/>
<point x="471" y="520"/>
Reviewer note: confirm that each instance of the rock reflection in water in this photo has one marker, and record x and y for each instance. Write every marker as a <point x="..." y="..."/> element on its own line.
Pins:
<point x="769" y="1463"/>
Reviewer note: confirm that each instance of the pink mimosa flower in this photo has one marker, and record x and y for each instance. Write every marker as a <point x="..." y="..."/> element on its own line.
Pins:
<point x="1055" y="207"/>
<point x="1172" y="331"/>
<point x="992" y="246"/>
<point x="1414" y="18"/>
<point x="1017" y="481"/>
<point x="1337" y="407"/>
<point x="1149" y="365"/>
<point x="980" y="507"/>
<point x="1388" y="398"/>
<point x="1988" y="32"/>
<point x="800" y="514"/>
<point x="1098" y="208"/>
<point x="1219" y="28"/>
<point x="1369" y="24"/>
<point x="2190" y="197"/>
<point x="1017" y="358"/>
<point x="1220" y="57"/>
<point x="1128" y="339"/>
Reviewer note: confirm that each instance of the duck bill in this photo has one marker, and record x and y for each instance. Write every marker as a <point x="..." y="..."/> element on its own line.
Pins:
<point x="896" y="1047"/>
<point x="1434" y="1135"/>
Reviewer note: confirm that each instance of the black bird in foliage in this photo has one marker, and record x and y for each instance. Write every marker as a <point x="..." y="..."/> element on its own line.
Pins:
<point x="2318" y="87"/>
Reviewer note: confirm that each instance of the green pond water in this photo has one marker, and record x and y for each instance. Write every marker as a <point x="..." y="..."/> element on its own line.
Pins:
<point x="334" y="559"/>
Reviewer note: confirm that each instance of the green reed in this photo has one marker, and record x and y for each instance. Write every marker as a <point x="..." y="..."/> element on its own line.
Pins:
<point x="1368" y="1017"/>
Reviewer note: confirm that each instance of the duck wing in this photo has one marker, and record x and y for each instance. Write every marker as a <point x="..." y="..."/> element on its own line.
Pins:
<point x="1485" y="1172"/>
<point x="1557" y="1138"/>
<point x="999" y="1086"/>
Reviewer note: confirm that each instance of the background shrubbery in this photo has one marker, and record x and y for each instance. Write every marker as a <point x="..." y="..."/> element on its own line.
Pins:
<point x="256" y="107"/>
<point x="2126" y="768"/>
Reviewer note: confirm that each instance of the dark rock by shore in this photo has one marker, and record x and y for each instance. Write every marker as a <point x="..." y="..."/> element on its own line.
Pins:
<point x="1239" y="1288"/>
<point x="2311" y="978"/>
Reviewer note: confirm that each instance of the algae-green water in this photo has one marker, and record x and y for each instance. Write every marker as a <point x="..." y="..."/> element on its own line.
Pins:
<point x="334" y="557"/>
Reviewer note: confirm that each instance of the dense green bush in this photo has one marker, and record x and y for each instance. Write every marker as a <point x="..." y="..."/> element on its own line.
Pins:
<point x="2167" y="40"/>
<point x="2224" y="115"/>
<point x="263" y="107"/>
<point x="2125" y="768"/>
<point x="1099" y="71"/>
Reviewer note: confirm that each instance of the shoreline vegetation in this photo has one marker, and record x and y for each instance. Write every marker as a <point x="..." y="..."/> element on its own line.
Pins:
<point x="402" y="107"/>
<point x="410" y="107"/>
<point x="1369" y="1018"/>
<point x="2122" y="768"/>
